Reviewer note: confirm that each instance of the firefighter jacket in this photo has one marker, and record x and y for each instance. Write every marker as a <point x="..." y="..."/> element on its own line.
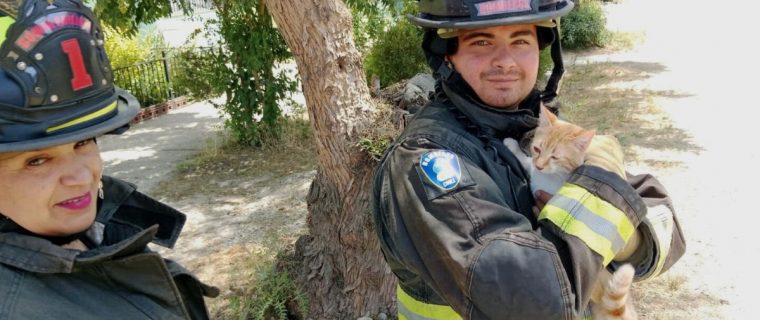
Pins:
<point x="118" y="278"/>
<point x="453" y="211"/>
<point x="5" y="23"/>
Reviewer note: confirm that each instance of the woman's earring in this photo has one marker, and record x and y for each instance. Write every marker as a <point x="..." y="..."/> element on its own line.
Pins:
<point x="100" y="190"/>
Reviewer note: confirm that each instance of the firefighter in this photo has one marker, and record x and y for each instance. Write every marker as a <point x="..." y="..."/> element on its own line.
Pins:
<point x="73" y="242"/>
<point x="453" y="206"/>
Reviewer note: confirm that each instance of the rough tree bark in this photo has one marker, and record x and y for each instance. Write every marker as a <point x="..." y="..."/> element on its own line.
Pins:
<point x="344" y="271"/>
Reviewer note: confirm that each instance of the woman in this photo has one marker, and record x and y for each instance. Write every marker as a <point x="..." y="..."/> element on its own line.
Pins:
<point x="73" y="243"/>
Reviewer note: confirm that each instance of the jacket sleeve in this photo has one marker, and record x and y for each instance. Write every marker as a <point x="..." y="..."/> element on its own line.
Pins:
<point x="662" y="241"/>
<point x="487" y="260"/>
<point x="192" y="290"/>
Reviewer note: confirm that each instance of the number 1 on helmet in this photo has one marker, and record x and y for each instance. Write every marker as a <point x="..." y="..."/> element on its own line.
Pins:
<point x="80" y="79"/>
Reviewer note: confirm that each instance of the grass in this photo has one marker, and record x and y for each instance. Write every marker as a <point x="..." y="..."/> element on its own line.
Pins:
<point x="226" y="160"/>
<point x="594" y="95"/>
<point x="666" y="298"/>
<point x="259" y="274"/>
<point x="270" y="292"/>
<point x="621" y="41"/>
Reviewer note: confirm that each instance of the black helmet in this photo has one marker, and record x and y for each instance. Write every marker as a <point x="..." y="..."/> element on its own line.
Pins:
<point x="473" y="14"/>
<point x="470" y="14"/>
<point x="56" y="82"/>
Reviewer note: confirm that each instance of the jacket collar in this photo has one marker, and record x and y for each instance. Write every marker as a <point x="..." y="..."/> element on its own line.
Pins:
<point x="501" y="123"/>
<point x="38" y="255"/>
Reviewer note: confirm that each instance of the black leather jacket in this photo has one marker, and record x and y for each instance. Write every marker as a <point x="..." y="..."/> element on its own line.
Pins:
<point x="119" y="278"/>
<point x="477" y="246"/>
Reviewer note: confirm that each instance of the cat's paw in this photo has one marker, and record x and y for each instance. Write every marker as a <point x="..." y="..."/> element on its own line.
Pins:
<point x="512" y="145"/>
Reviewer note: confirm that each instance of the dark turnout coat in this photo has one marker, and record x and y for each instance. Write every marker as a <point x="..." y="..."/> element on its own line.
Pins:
<point x="453" y="214"/>
<point x="119" y="278"/>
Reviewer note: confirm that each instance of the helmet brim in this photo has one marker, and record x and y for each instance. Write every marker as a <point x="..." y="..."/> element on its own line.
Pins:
<point x="467" y="23"/>
<point x="127" y="107"/>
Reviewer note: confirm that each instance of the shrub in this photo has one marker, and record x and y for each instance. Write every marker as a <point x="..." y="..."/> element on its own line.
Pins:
<point x="585" y="26"/>
<point x="396" y="55"/>
<point x="125" y="50"/>
<point x="545" y="64"/>
<point x="368" y="25"/>
<point x="250" y="70"/>
<point x="145" y="78"/>
<point x="372" y="17"/>
<point x="275" y="294"/>
<point x="195" y="72"/>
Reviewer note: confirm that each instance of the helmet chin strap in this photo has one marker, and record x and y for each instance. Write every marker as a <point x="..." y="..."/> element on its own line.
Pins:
<point x="553" y="85"/>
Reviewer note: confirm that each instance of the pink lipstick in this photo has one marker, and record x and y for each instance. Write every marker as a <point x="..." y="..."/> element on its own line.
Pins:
<point x="77" y="203"/>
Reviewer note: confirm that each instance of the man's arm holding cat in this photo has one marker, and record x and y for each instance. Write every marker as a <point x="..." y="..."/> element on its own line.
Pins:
<point x="658" y="242"/>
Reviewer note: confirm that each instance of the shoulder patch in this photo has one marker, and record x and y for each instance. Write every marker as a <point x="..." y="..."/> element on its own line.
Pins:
<point x="442" y="172"/>
<point x="442" y="169"/>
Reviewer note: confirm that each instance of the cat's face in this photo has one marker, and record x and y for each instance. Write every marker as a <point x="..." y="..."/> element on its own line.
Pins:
<point x="558" y="146"/>
<point x="555" y="156"/>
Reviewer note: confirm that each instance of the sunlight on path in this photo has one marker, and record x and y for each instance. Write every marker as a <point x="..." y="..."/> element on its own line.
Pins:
<point x="705" y="47"/>
<point x="150" y="150"/>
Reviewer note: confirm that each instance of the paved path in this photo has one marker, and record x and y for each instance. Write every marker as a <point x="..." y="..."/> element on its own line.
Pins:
<point x="704" y="48"/>
<point x="151" y="149"/>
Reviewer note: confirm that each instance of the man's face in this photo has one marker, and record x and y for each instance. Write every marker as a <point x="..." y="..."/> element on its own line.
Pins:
<point x="499" y="63"/>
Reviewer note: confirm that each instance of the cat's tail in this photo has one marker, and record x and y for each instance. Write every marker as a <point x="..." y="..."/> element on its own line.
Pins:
<point x="615" y="302"/>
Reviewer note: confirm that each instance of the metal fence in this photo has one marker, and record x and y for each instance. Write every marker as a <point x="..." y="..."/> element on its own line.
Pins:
<point x="167" y="77"/>
<point x="150" y="81"/>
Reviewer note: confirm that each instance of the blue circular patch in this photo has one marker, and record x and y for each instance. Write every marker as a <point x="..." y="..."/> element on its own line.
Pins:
<point x="441" y="168"/>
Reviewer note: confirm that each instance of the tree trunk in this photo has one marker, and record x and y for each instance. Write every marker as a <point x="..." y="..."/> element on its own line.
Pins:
<point x="344" y="271"/>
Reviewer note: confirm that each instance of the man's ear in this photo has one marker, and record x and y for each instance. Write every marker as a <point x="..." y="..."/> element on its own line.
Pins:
<point x="447" y="60"/>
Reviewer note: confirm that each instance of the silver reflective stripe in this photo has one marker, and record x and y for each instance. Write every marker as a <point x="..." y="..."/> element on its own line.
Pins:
<point x="660" y="220"/>
<point x="596" y="223"/>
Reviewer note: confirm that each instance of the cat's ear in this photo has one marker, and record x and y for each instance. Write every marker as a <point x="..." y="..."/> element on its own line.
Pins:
<point x="584" y="139"/>
<point x="546" y="118"/>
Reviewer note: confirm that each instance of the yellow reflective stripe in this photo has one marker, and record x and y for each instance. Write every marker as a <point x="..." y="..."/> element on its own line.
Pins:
<point x="412" y="309"/>
<point x="568" y="224"/>
<point x="5" y="23"/>
<point x="601" y="208"/>
<point x="585" y="202"/>
<point x="85" y="118"/>
<point x="590" y="219"/>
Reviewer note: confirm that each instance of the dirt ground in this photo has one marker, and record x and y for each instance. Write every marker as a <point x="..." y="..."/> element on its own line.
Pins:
<point x="242" y="204"/>
<point x="687" y="119"/>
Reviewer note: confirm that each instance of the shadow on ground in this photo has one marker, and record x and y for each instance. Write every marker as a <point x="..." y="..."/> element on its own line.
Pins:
<point x="150" y="151"/>
<point x="606" y="96"/>
<point x="243" y="204"/>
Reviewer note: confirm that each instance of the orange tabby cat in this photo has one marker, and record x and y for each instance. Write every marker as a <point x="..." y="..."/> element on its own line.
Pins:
<point x="558" y="148"/>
